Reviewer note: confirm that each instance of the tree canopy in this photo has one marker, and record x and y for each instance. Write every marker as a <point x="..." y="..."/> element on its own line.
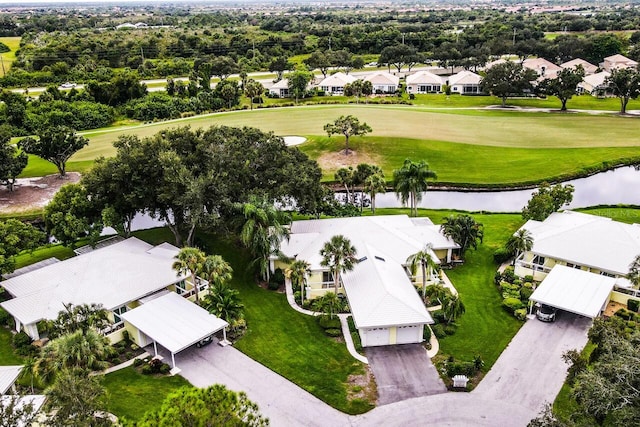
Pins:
<point x="399" y="56"/>
<point x="625" y="84"/>
<point x="464" y="230"/>
<point x="71" y="214"/>
<point x="410" y="181"/>
<point x="564" y="85"/>
<point x="546" y="200"/>
<point x="55" y="145"/>
<point x="12" y="162"/>
<point x="508" y="78"/>
<point x="348" y="126"/>
<point x="15" y="237"/>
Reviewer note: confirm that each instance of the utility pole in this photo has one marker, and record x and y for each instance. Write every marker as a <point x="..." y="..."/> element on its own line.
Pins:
<point x="2" y="61"/>
<point x="142" y="54"/>
<point x="514" y="36"/>
<point x="329" y="42"/>
<point x="402" y="38"/>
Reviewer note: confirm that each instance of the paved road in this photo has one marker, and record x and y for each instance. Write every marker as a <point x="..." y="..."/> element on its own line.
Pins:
<point x="403" y="372"/>
<point x="529" y="373"/>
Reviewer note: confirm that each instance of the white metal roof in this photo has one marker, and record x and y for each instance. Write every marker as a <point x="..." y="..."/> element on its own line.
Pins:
<point x="586" y="240"/>
<point x="337" y="80"/>
<point x="380" y="293"/>
<point x="573" y="290"/>
<point x="424" y="77"/>
<point x="8" y="376"/>
<point x="396" y="235"/>
<point x="282" y="84"/>
<point x="382" y="78"/>
<point x="465" y="78"/>
<point x="111" y="276"/>
<point x="174" y="322"/>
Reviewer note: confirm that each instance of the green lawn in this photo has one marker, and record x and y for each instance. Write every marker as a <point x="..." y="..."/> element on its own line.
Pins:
<point x="42" y="253"/>
<point x="131" y="394"/>
<point x="12" y="43"/>
<point x="289" y="343"/>
<point x="485" y="329"/>
<point x="7" y="356"/>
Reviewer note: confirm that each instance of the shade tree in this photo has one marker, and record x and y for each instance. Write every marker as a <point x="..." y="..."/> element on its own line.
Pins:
<point x="297" y="83"/>
<point x="12" y="161"/>
<point x="564" y="85"/>
<point x="16" y="236"/>
<point x="348" y="126"/>
<point x="71" y="215"/>
<point x="625" y="84"/>
<point x="546" y="200"/>
<point x="56" y="145"/>
<point x="506" y="79"/>
<point x="400" y="55"/>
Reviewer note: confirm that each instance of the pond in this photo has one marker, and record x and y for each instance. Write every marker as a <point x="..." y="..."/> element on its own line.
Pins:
<point x="618" y="186"/>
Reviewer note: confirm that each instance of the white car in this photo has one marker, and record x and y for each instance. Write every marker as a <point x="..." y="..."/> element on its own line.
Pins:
<point x="67" y="85"/>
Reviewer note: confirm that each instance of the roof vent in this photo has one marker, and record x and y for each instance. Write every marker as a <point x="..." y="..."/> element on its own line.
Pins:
<point x="380" y="258"/>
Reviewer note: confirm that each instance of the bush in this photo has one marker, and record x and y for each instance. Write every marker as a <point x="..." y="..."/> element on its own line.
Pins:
<point x="512" y="304"/>
<point x="450" y="329"/>
<point x="520" y="314"/>
<point x="500" y="255"/>
<point x="461" y="368"/>
<point x="412" y="96"/>
<point x="164" y="368"/>
<point x="528" y="278"/>
<point x="138" y="362"/>
<point x="273" y="285"/>
<point x="327" y="322"/>
<point x="624" y="314"/>
<point x="508" y="275"/>
<point x="4" y="317"/>
<point x="438" y="316"/>
<point x="525" y="294"/>
<point x="146" y="369"/>
<point x="633" y="305"/>
<point x="509" y="290"/>
<point x="126" y="337"/>
<point x="438" y="331"/>
<point x="21" y="339"/>
<point x="426" y="333"/>
<point x="333" y="332"/>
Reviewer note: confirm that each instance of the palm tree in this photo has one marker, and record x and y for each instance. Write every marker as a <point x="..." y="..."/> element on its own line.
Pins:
<point x="426" y="262"/>
<point x="634" y="272"/>
<point x="520" y="242"/>
<point x="463" y="230"/>
<point x="216" y="271"/>
<point x="410" y="181"/>
<point x="224" y="302"/>
<point x="339" y="255"/>
<point x="438" y="293"/>
<point x="453" y="308"/>
<point x="297" y="272"/>
<point x="374" y="184"/>
<point x="189" y="262"/>
<point x="29" y="368"/>
<point x="263" y="230"/>
<point x="329" y="304"/>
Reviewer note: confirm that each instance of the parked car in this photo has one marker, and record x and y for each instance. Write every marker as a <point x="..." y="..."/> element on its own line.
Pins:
<point x="546" y="313"/>
<point x="67" y="85"/>
<point x="205" y="341"/>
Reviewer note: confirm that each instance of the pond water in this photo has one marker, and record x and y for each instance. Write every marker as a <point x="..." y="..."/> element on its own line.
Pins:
<point x="618" y="186"/>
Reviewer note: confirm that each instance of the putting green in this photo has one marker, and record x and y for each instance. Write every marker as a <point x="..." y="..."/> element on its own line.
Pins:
<point x="463" y="145"/>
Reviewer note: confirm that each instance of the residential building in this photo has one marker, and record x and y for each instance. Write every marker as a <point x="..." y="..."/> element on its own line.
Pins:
<point x="595" y="84"/>
<point x="465" y="83"/>
<point x="588" y="67"/>
<point x="280" y="89"/>
<point x="618" y="61"/>
<point x="380" y="289"/>
<point x="545" y="69"/>
<point x="424" y="82"/>
<point x="335" y="83"/>
<point x="383" y="82"/>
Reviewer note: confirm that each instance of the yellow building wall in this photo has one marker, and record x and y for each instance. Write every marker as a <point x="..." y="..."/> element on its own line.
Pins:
<point x="393" y="335"/>
<point x="441" y="254"/>
<point x="622" y="298"/>
<point x="280" y="264"/>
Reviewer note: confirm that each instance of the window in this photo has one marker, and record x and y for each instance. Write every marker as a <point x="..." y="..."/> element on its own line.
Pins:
<point x="202" y="285"/>
<point x="327" y="276"/>
<point x="181" y="287"/>
<point x="538" y="260"/>
<point x="570" y="265"/>
<point x="116" y="314"/>
<point x="604" y="273"/>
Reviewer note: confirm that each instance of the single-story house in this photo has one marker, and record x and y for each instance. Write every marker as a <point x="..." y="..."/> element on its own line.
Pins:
<point x="588" y="67"/>
<point x="123" y="277"/>
<point x="618" y="61"/>
<point x="280" y="89"/>
<point x="595" y="84"/>
<point x="383" y="82"/>
<point x="8" y="377"/>
<point x="545" y="69"/>
<point x="335" y="83"/>
<point x="385" y="305"/>
<point x="594" y="245"/>
<point x="465" y="83"/>
<point x="424" y="82"/>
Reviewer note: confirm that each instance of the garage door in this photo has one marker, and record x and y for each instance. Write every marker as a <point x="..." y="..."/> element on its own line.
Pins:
<point x="376" y="336"/>
<point x="409" y="334"/>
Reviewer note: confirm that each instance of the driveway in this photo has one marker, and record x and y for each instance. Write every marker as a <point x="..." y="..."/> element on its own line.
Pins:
<point x="403" y="372"/>
<point x="283" y="402"/>
<point x="531" y="371"/>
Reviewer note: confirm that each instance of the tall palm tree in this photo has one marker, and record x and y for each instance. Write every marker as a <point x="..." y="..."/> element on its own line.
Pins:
<point x="634" y="272"/>
<point x="453" y="308"/>
<point x="216" y="270"/>
<point x="520" y="242"/>
<point x="339" y="255"/>
<point x="298" y="272"/>
<point x="410" y="181"/>
<point x="426" y="262"/>
<point x="463" y="230"/>
<point x="374" y="184"/>
<point x="189" y="262"/>
<point x="263" y="230"/>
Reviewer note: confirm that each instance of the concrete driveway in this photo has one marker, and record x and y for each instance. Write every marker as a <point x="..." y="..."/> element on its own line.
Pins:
<point x="531" y="371"/>
<point x="403" y="372"/>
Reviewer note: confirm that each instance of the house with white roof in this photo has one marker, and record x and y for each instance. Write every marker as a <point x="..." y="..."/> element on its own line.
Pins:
<point x="123" y="277"/>
<point x="8" y="378"/>
<point x="383" y="82"/>
<point x="424" y="82"/>
<point x="595" y="84"/>
<point x="588" y="67"/>
<point x="280" y="89"/>
<point x="593" y="253"/>
<point x="618" y="61"/>
<point x="335" y="83"/>
<point x="545" y="69"/>
<point x="385" y="305"/>
<point x="465" y="83"/>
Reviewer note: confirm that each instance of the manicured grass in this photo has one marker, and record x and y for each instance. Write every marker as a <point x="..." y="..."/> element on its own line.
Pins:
<point x="628" y="214"/>
<point x="485" y="329"/>
<point x="472" y="164"/>
<point x="280" y="338"/>
<point x="131" y="393"/>
<point x="42" y="253"/>
<point x="12" y="43"/>
<point x="7" y="355"/>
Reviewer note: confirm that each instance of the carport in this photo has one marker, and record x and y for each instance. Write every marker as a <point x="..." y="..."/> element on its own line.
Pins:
<point x="174" y="322"/>
<point x="576" y="291"/>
